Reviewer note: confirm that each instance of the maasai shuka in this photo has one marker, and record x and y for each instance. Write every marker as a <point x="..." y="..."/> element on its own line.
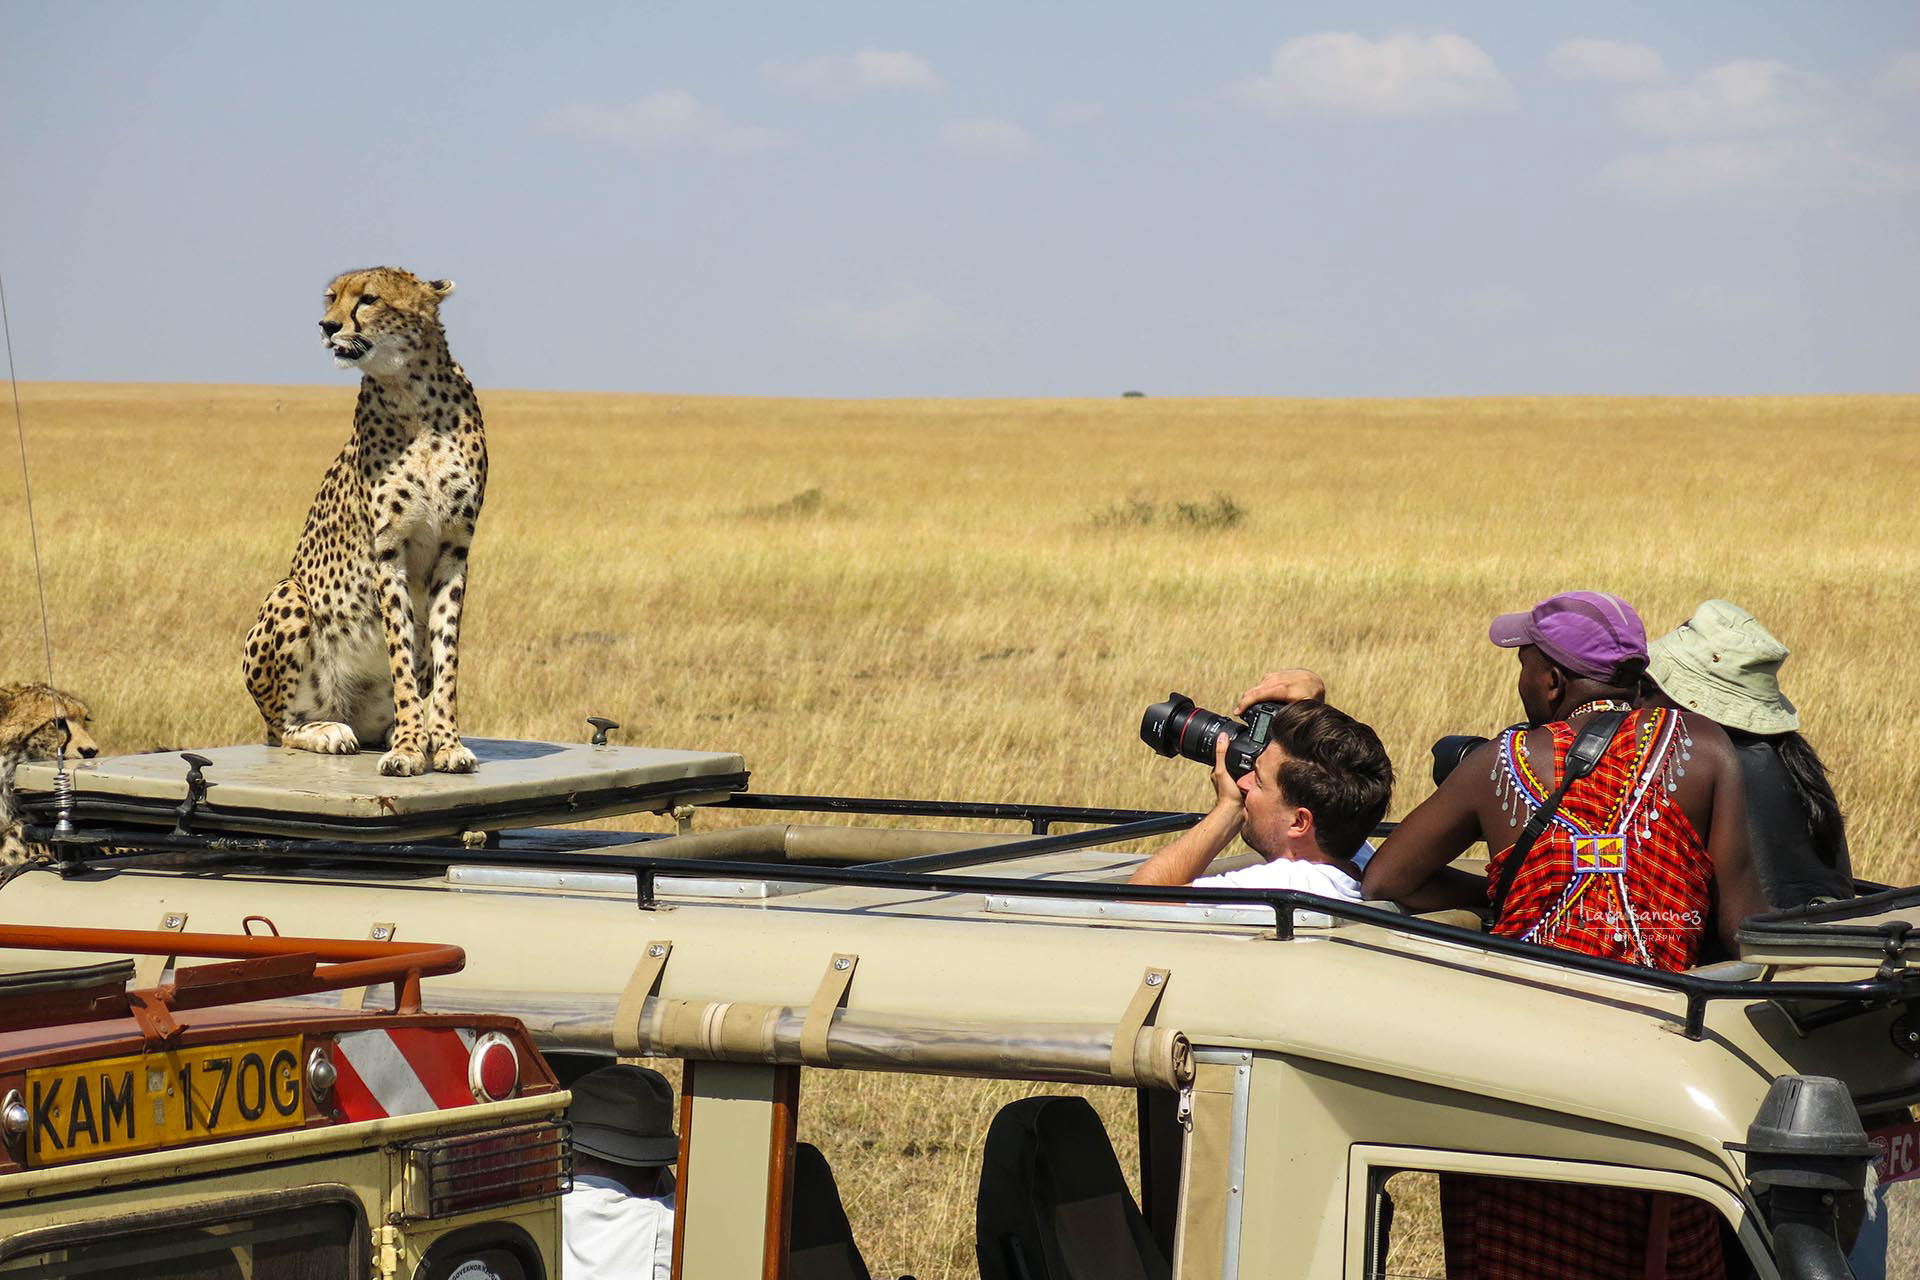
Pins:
<point x="1619" y="872"/>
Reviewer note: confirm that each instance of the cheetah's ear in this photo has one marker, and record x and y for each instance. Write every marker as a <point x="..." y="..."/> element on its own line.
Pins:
<point x="442" y="289"/>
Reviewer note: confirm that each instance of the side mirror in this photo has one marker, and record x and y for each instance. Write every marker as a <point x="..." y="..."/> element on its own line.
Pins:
<point x="1807" y="1160"/>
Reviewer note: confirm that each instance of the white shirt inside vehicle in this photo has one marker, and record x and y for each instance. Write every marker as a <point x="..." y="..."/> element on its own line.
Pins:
<point x="1291" y="873"/>
<point x="612" y="1234"/>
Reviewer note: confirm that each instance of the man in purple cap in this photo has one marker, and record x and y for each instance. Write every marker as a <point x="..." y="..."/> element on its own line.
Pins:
<point x="1582" y="633"/>
<point x="1638" y="855"/>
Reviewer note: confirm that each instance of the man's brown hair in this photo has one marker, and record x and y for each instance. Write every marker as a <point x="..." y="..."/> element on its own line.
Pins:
<point x="1336" y="769"/>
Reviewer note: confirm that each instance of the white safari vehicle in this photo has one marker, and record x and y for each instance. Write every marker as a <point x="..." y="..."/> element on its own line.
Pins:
<point x="1301" y="1065"/>
<point x="160" y="1122"/>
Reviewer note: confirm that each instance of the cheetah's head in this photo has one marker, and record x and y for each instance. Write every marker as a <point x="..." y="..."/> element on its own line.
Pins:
<point x="379" y="318"/>
<point x="35" y="720"/>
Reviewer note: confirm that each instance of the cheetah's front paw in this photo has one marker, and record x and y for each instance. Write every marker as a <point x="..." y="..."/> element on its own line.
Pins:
<point x="453" y="757"/>
<point x="402" y="762"/>
<point x="327" y="737"/>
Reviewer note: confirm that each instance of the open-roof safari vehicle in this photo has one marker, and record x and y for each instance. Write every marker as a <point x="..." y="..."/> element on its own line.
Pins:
<point x="1298" y="1062"/>
<point x="160" y="1123"/>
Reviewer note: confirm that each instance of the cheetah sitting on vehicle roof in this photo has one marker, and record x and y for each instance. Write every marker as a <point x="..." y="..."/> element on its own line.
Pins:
<point x="360" y="642"/>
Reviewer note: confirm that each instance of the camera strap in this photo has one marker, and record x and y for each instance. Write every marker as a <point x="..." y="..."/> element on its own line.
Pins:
<point x="1588" y="746"/>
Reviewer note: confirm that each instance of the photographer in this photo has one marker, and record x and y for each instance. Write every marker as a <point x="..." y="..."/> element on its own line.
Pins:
<point x="1314" y="792"/>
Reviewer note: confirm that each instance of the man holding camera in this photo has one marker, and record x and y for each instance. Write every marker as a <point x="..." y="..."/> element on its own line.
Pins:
<point x="1313" y="794"/>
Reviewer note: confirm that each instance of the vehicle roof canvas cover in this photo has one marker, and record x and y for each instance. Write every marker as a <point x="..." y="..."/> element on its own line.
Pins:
<point x="277" y="791"/>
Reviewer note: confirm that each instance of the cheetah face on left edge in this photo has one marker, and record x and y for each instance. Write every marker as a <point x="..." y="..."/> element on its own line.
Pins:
<point x="39" y="722"/>
<point x="376" y="318"/>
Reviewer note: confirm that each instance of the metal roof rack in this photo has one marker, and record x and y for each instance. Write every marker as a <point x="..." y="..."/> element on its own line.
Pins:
<point x="264" y="967"/>
<point x="1892" y="984"/>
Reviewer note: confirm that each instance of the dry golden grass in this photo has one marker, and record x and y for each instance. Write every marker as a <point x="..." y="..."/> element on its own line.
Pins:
<point x="957" y="599"/>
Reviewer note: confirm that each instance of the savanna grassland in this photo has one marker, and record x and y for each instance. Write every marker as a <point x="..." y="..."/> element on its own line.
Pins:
<point x="976" y="599"/>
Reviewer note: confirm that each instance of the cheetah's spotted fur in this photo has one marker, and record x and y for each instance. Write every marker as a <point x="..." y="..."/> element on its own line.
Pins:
<point x="359" y="644"/>
<point x="37" y="722"/>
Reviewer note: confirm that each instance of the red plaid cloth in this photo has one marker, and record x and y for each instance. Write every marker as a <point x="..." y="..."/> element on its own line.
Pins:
<point x="1665" y="884"/>
<point x="1517" y="1229"/>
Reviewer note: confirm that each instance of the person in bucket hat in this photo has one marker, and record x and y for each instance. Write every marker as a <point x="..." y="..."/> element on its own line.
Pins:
<point x="618" y="1218"/>
<point x="1723" y="664"/>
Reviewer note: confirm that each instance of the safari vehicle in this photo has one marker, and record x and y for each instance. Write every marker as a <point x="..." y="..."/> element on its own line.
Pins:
<point x="163" y="1124"/>
<point x="1301" y="1065"/>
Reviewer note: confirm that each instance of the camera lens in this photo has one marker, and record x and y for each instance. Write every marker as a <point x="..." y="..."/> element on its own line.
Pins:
<point x="1178" y="728"/>
<point x="1450" y="751"/>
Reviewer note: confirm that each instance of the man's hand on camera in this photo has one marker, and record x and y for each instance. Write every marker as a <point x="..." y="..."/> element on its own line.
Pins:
<point x="1296" y="684"/>
<point x="1189" y="854"/>
<point x="1226" y="788"/>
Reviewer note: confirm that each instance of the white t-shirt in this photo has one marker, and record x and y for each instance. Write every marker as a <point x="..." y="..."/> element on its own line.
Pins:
<point x="612" y="1234"/>
<point x="1288" y="873"/>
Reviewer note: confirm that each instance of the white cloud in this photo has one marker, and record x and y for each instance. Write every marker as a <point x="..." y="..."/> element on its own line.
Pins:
<point x="994" y="136"/>
<point x="1404" y="74"/>
<point x="829" y="79"/>
<point x="1592" y="58"/>
<point x="673" y="118"/>
<point x="1902" y="78"/>
<point x="1690" y="169"/>
<point x="1762" y="128"/>
<point x="1747" y="96"/>
<point x="905" y="315"/>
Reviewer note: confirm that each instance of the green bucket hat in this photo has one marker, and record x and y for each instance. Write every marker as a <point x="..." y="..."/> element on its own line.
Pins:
<point x="1722" y="663"/>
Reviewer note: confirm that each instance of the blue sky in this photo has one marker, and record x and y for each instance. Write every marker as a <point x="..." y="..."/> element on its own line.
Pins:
<point x="873" y="199"/>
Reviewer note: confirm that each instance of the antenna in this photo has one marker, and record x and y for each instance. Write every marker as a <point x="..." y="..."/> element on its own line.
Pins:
<point x="62" y="783"/>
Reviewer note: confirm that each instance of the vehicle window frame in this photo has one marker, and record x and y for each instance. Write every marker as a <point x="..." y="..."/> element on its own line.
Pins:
<point x="1365" y="1160"/>
<point x="227" y="1209"/>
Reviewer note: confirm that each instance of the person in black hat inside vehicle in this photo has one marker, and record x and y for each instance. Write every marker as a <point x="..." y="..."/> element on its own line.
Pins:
<point x="618" y="1219"/>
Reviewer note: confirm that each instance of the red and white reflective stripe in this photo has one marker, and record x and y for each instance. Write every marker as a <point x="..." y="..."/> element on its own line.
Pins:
<point x="401" y="1072"/>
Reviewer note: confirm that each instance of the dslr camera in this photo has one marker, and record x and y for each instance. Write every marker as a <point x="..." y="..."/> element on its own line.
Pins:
<point x="1178" y="728"/>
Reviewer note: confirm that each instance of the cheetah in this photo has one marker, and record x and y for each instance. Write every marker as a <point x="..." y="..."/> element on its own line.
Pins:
<point x="37" y="722"/>
<point x="359" y="644"/>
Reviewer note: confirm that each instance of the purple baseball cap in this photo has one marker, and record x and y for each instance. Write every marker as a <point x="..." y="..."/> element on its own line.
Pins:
<point x="1590" y="633"/>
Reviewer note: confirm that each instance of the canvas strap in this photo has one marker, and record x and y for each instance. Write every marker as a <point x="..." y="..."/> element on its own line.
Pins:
<point x="1140" y="1011"/>
<point x="831" y="994"/>
<point x="642" y="983"/>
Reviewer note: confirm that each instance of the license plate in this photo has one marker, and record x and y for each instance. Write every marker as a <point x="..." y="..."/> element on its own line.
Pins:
<point x="152" y="1101"/>
<point x="1896" y="1152"/>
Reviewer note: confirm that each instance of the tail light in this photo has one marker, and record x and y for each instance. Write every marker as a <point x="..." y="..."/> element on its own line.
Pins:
<point x="493" y="1068"/>
<point x="503" y="1166"/>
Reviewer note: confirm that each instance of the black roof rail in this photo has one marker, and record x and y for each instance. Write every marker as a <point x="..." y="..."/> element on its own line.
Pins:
<point x="1885" y="988"/>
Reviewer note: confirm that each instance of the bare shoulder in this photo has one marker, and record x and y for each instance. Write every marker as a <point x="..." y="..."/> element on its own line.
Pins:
<point x="1710" y="743"/>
